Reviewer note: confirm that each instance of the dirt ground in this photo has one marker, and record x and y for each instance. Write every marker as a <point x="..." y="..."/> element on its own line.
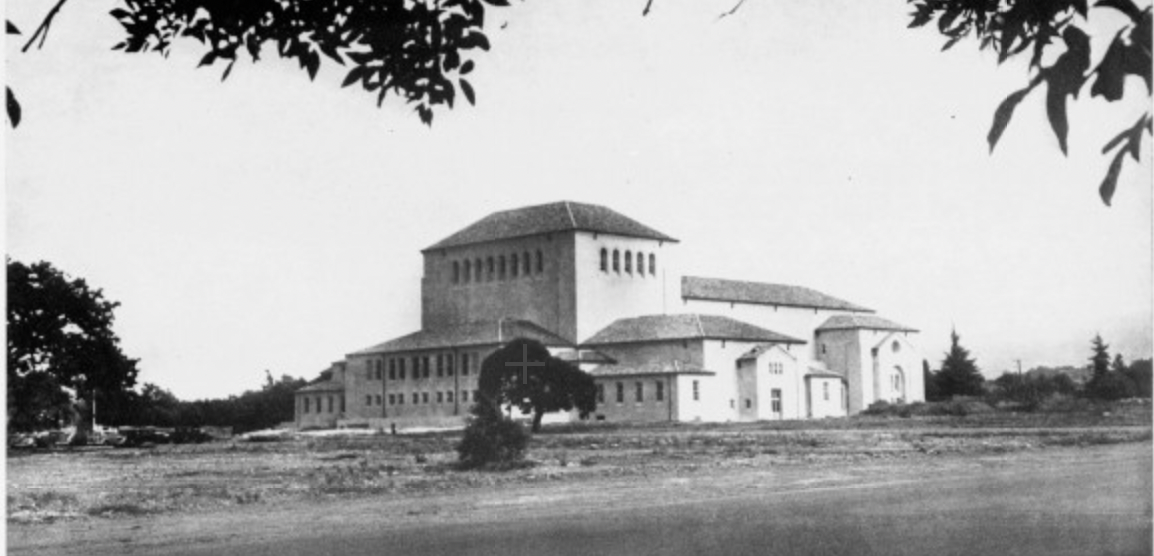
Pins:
<point x="66" y="488"/>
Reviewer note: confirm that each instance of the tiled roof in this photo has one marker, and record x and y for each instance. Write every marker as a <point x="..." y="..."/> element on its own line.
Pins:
<point x="683" y="327"/>
<point x="482" y="333"/>
<point x="326" y="386"/>
<point x="717" y="289"/>
<point x="869" y="322"/>
<point x="553" y="217"/>
<point x="671" y="367"/>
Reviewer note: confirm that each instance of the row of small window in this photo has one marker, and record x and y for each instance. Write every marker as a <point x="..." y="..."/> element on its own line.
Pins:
<point x="629" y="258"/>
<point x="421" y="366"/>
<point x="776" y="368"/>
<point x="497" y="267"/>
<point x="308" y="403"/>
<point x="420" y="398"/>
<point x="638" y="392"/>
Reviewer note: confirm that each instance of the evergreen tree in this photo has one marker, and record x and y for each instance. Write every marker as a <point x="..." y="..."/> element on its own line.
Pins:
<point x="930" y="382"/>
<point x="1100" y="361"/>
<point x="959" y="375"/>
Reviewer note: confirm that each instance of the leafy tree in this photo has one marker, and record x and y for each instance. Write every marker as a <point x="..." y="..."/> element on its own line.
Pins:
<point x="959" y="375"/>
<point x="546" y="384"/>
<point x="1140" y="372"/>
<point x="491" y="438"/>
<point x="61" y="346"/>
<point x="1031" y="390"/>
<point x="1060" y="27"/>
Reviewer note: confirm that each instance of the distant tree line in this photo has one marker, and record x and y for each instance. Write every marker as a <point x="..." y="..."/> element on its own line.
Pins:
<point x="1109" y="379"/>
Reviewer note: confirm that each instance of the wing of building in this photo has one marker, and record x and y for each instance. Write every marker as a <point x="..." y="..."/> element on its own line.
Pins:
<point x="604" y="291"/>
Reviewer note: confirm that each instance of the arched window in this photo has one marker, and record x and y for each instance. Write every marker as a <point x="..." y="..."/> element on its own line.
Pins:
<point x="616" y="261"/>
<point x="526" y="263"/>
<point x="640" y="264"/>
<point x="629" y="262"/>
<point x="652" y="264"/>
<point x="489" y="269"/>
<point x="515" y="267"/>
<point x="899" y="383"/>
<point x="456" y="272"/>
<point x="501" y="267"/>
<point x="604" y="260"/>
<point x="540" y="262"/>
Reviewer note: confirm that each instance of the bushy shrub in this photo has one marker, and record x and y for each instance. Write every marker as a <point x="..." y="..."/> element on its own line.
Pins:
<point x="1111" y="385"/>
<point x="1029" y="391"/>
<point x="491" y="439"/>
<point x="958" y="407"/>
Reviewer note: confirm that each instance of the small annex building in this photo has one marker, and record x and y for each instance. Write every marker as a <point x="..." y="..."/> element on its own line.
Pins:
<point x="604" y="292"/>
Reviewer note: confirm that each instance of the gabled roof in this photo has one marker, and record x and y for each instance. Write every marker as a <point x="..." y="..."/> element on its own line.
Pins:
<point x="553" y="217"/>
<point x="326" y="386"/>
<point x="656" y="328"/>
<point x="717" y="289"/>
<point x="671" y="367"/>
<point x="757" y="351"/>
<point x="481" y="333"/>
<point x="868" y="322"/>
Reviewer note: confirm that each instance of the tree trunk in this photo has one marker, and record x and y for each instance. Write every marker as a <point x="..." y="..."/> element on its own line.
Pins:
<point x="537" y="415"/>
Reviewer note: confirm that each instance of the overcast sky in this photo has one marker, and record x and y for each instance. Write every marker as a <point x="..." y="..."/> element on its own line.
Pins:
<point x="273" y="223"/>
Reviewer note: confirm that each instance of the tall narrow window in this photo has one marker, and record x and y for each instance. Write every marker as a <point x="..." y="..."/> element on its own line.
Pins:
<point x="400" y="399"/>
<point x="440" y="365"/>
<point x="540" y="262"/>
<point x="526" y="263"/>
<point x="640" y="264"/>
<point x="440" y="397"/>
<point x="600" y="393"/>
<point x="456" y="272"/>
<point x="490" y="269"/>
<point x="616" y="261"/>
<point x="449" y="396"/>
<point x="652" y="264"/>
<point x="416" y="398"/>
<point x="639" y="393"/>
<point x="424" y="397"/>
<point x="629" y="262"/>
<point x="620" y="392"/>
<point x="401" y="368"/>
<point x="501" y="267"/>
<point x="468" y="270"/>
<point x="378" y="399"/>
<point x="306" y="405"/>
<point x="775" y="400"/>
<point x="368" y="399"/>
<point x="342" y="403"/>
<point x="696" y="391"/>
<point x="514" y="267"/>
<point x="426" y="366"/>
<point x="478" y="275"/>
<point x="825" y="391"/>
<point x="464" y="364"/>
<point x="604" y="260"/>
<point x="660" y="391"/>
<point x="449" y="364"/>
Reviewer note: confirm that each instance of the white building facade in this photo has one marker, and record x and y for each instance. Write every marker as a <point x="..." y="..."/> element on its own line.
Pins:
<point x="603" y="291"/>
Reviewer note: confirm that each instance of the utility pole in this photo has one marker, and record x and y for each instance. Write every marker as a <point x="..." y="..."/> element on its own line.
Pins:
<point x="1019" y="366"/>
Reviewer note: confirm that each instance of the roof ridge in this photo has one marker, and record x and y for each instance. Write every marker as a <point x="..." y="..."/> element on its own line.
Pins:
<point x="569" y="210"/>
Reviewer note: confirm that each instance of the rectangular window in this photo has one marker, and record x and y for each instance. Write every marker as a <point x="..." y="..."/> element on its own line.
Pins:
<point x="476" y="395"/>
<point x="424" y="397"/>
<point x="660" y="393"/>
<point x="748" y="403"/>
<point x="440" y="365"/>
<point x="449" y="364"/>
<point x="825" y="391"/>
<point x="306" y="405"/>
<point x="330" y="404"/>
<point x="464" y="364"/>
<point x="440" y="397"/>
<point x="401" y="368"/>
<point x="378" y="399"/>
<point x="416" y="367"/>
<point x="416" y="398"/>
<point x="775" y="400"/>
<point x="600" y="393"/>
<point x="449" y="396"/>
<point x="392" y="369"/>
<point x="620" y="392"/>
<point x="368" y="399"/>
<point x="400" y="399"/>
<point x="392" y="399"/>
<point x="639" y="392"/>
<point x="425" y="365"/>
<point x="696" y="391"/>
<point x="342" y="403"/>
<point x="464" y="395"/>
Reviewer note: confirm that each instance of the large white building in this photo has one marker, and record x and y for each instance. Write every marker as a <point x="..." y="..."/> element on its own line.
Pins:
<point x="604" y="291"/>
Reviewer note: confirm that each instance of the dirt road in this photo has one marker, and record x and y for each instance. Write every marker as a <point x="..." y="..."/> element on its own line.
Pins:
<point x="1092" y="500"/>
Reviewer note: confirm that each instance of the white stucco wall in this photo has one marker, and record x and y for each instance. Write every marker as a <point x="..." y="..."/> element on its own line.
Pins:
<point x="605" y="296"/>
<point x="822" y="405"/>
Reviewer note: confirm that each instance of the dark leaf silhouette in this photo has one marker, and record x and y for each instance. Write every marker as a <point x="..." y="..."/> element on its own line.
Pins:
<point x="12" y="30"/>
<point x="13" y="108"/>
<point x="1005" y="112"/>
